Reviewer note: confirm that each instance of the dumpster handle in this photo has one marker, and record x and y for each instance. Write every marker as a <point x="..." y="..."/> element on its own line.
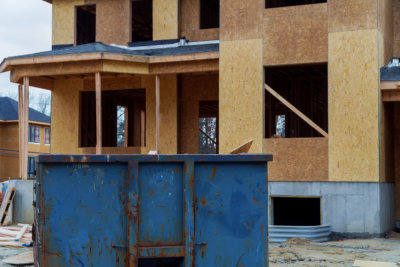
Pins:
<point x="117" y="246"/>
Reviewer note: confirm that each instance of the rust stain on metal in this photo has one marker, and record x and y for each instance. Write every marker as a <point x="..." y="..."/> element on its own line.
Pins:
<point x="151" y="192"/>
<point x="214" y="172"/>
<point x="203" y="201"/>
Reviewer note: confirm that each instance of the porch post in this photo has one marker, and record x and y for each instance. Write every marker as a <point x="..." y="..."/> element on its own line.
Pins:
<point x="158" y="114"/>
<point x="25" y="127"/>
<point x="20" y="130"/>
<point x="98" y="114"/>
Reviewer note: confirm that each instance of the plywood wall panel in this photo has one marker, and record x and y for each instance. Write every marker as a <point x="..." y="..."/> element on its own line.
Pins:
<point x="241" y="20"/>
<point x="241" y="94"/>
<point x="353" y="106"/>
<point x="117" y="83"/>
<point x="168" y="111"/>
<point x="65" y="116"/>
<point x="113" y="20"/>
<point x="195" y="88"/>
<point x="396" y="28"/>
<point x="190" y="23"/>
<point x="345" y="15"/>
<point x="385" y="27"/>
<point x="64" y="21"/>
<point x="296" y="35"/>
<point x="297" y="159"/>
<point x="165" y="19"/>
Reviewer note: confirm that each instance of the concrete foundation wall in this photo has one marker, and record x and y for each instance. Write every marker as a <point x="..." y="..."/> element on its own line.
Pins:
<point x="352" y="209"/>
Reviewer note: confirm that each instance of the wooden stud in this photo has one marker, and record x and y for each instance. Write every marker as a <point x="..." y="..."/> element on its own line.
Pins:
<point x="98" y="114"/>
<point x="296" y="111"/>
<point x="20" y="128"/>
<point x="126" y="134"/>
<point x="142" y="128"/>
<point x="25" y="126"/>
<point x="158" y="114"/>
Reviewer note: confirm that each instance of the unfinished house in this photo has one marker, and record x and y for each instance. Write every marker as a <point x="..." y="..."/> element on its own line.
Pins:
<point x="298" y="77"/>
<point x="38" y="140"/>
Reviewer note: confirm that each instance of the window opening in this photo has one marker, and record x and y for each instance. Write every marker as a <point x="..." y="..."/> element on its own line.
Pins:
<point x="208" y="127"/>
<point x="34" y="134"/>
<point x="142" y="20"/>
<point x="306" y="88"/>
<point x="296" y="211"/>
<point x="85" y="24"/>
<point x="47" y="136"/>
<point x="283" y="3"/>
<point x="209" y="14"/>
<point x="121" y="118"/>
<point x="31" y="167"/>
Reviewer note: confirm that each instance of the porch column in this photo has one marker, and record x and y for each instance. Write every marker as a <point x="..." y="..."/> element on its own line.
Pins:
<point x="158" y="114"/>
<point x="23" y="112"/>
<point x="98" y="114"/>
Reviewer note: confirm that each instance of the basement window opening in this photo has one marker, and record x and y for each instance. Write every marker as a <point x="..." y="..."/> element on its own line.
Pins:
<point x="142" y="20"/>
<point x="209" y="14"/>
<point x="296" y="211"/>
<point x="122" y="118"/>
<point x="161" y="262"/>
<point x="85" y="24"/>
<point x="283" y="3"/>
<point x="208" y="127"/>
<point x="306" y="88"/>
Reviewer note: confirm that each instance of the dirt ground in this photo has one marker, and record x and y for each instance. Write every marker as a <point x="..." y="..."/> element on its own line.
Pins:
<point x="297" y="252"/>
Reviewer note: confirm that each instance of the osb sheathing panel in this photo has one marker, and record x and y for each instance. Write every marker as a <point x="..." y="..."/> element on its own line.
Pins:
<point x="190" y="23"/>
<point x="165" y="19"/>
<point x="195" y="88"/>
<point x="241" y="20"/>
<point x="64" y="21"/>
<point x="9" y="167"/>
<point x="345" y="15"/>
<point x="298" y="35"/>
<point x="396" y="28"/>
<point x="297" y="159"/>
<point x="397" y="158"/>
<point x="65" y="116"/>
<point x="116" y="83"/>
<point x="385" y="26"/>
<point x="241" y="95"/>
<point x="125" y="67"/>
<point x="113" y="19"/>
<point x="353" y="106"/>
<point x="168" y="112"/>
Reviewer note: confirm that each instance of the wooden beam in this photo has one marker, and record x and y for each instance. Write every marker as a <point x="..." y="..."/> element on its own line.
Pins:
<point x="158" y="114"/>
<point x="390" y="85"/>
<point x="184" y="67"/>
<point x="25" y="126"/>
<point x="392" y="95"/>
<point x="20" y="129"/>
<point x="295" y="110"/>
<point x="126" y="134"/>
<point x="98" y="114"/>
<point x="142" y="128"/>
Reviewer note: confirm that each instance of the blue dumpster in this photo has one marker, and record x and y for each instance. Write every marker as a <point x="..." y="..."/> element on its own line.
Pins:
<point x="149" y="210"/>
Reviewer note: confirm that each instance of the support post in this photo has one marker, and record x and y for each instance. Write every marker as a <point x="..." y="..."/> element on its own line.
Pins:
<point x="20" y="129"/>
<point x="25" y="127"/>
<point x="142" y="128"/>
<point x="98" y="114"/>
<point x="158" y="114"/>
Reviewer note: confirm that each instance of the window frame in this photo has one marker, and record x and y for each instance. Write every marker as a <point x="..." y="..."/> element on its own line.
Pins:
<point x="34" y="141"/>
<point x="49" y="139"/>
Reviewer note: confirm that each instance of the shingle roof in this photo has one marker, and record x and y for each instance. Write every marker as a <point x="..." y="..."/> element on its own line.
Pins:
<point x="391" y="72"/>
<point x="100" y="47"/>
<point x="9" y="111"/>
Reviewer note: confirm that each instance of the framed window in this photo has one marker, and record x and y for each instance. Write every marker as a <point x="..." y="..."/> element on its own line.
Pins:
<point x="34" y="134"/>
<point x="47" y="136"/>
<point x="31" y="167"/>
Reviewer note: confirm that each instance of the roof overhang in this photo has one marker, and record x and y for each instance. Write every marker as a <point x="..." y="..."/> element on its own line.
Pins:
<point x="43" y="69"/>
<point x="30" y="122"/>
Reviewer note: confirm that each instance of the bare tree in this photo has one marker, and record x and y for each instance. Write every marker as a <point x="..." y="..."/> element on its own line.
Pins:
<point x="44" y="103"/>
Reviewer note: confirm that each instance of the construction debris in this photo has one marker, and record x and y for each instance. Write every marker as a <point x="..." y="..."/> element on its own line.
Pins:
<point x="359" y="263"/>
<point x="6" y="204"/>
<point x="16" y="236"/>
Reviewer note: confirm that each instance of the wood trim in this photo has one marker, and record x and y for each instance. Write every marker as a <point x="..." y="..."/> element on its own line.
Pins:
<point x="390" y="85"/>
<point x="296" y="111"/>
<point x="20" y="127"/>
<point x="142" y="128"/>
<point x="392" y="95"/>
<point x="98" y="114"/>
<point x="158" y="114"/>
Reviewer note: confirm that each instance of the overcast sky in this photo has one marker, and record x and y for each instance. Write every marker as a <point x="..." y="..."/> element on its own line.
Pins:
<point x="25" y="27"/>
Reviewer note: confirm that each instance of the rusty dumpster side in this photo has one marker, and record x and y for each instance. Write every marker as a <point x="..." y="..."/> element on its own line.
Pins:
<point x="142" y="210"/>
